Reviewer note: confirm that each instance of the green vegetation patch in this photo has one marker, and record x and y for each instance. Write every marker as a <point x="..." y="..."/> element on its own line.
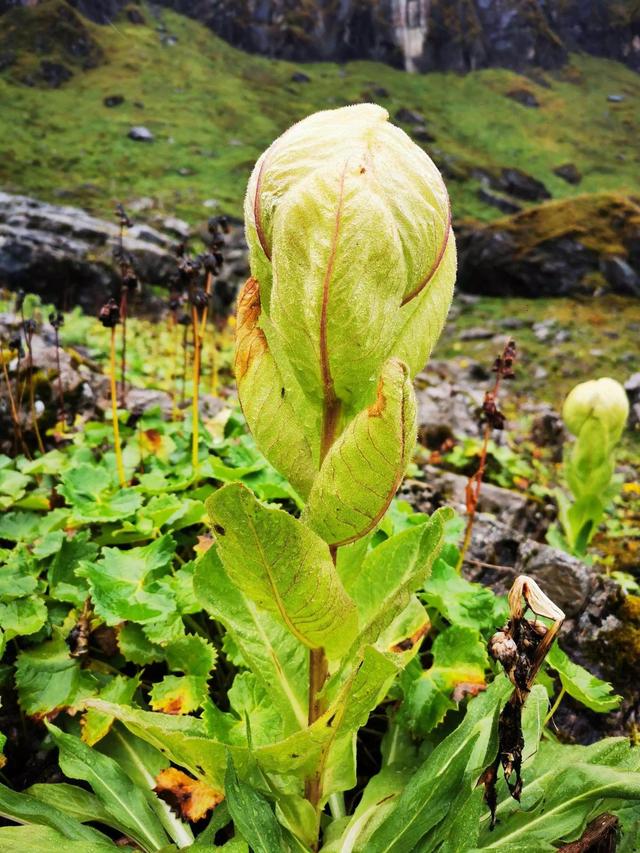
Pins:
<point x="213" y="109"/>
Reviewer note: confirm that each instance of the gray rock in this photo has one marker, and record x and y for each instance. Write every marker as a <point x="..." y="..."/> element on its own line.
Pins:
<point x="622" y="277"/>
<point x="501" y="202"/>
<point x="140" y="133"/>
<point x="476" y="333"/>
<point x="518" y="183"/>
<point x="569" y="173"/>
<point x="65" y="255"/>
<point x="615" y="99"/>
<point x="300" y="77"/>
<point x="498" y="553"/>
<point x="113" y="101"/>
<point x="632" y="387"/>
<point x="407" y="116"/>
<point x="524" y="97"/>
<point x="445" y="411"/>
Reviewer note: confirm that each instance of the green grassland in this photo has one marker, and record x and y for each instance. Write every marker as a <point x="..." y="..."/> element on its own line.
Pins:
<point x="213" y="109"/>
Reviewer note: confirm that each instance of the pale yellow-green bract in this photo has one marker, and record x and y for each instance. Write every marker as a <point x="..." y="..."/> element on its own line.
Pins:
<point x="603" y="400"/>
<point x="353" y="264"/>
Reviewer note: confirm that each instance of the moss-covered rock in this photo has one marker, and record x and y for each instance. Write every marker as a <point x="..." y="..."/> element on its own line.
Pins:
<point x="45" y="44"/>
<point x="571" y="247"/>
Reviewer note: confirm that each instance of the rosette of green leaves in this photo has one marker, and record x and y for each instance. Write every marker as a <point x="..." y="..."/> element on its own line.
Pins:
<point x="595" y="412"/>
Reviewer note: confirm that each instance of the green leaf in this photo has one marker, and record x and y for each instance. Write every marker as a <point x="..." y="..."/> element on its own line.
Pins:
<point x="459" y="664"/>
<point x="365" y="465"/>
<point x="391" y="572"/>
<point x="64" y="583"/>
<point x="117" y="793"/>
<point x="87" y="488"/>
<point x="284" y="567"/>
<point x="73" y="801"/>
<point x="562" y="789"/>
<point x="136" y="647"/>
<point x="19" y="526"/>
<point x="277" y="659"/>
<point x="252" y="814"/>
<point x="192" y="655"/>
<point x="47" y="677"/>
<point x="352" y="700"/>
<point x="25" y="808"/>
<point x="42" y="839"/>
<point x="460" y="602"/>
<point x="142" y="763"/>
<point x="457" y="761"/>
<point x="581" y="685"/>
<point x="22" y="616"/>
<point x="178" y="694"/>
<point x="124" y="584"/>
<point x="96" y="725"/>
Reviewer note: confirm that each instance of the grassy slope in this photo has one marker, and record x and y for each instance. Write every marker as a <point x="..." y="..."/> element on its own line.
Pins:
<point x="213" y="109"/>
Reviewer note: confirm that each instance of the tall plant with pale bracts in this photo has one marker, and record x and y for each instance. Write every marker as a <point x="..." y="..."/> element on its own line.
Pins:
<point x="353" y="267"/>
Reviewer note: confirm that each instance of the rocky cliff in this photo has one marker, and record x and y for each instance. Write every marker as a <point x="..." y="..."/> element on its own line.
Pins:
<point x="420" y="35"/>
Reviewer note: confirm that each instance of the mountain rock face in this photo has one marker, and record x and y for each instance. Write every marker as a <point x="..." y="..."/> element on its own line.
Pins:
<point x="425" y="35"/>
<point x="419" y="35"/>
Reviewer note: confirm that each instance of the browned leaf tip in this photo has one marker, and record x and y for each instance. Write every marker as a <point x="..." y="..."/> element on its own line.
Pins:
<point x="188" y="797"/>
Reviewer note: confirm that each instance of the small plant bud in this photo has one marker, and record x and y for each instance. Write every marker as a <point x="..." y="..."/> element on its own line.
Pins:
<point x="56" y="318"/>
<point x="602" y="400"/>
<point x="109" y="314"/>
<point x="20" y="295"/>
<point x="503" y="648"/>
<point x="15" y="344"/>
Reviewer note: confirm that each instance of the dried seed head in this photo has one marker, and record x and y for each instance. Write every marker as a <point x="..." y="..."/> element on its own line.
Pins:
<point x="109" y="314"/>
<point x="56" y="318"/>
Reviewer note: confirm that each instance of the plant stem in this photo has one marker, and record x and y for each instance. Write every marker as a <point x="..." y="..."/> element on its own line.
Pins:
<point x="32" y="402"/>
<point x="123" y="358"/>
<point x="473" y="495"/>
<point x="60" y="388"/>
<point x="195" y="413"/>
<point x="114" y="411"/>
<point x="555" y="706"/>
<point x="12" y="404"/>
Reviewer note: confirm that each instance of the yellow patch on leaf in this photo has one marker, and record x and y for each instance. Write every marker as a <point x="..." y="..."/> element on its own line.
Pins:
<point x="188" y="797"/>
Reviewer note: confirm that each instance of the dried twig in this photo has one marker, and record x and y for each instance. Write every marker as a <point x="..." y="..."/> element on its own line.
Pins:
<point x="493" y="419"/>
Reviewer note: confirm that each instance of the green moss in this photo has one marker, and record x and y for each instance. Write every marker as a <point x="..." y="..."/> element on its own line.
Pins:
<point x="213" y="109"/>
<point x="52" y="32"/>
<point x="603" y="222"/>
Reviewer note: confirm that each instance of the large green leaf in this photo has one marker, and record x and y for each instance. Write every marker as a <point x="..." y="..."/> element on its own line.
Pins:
<point x="125" y="583"/>
<point x="460" y="602"/>
<point x="252" y="814"/>
<point x="378" y="800"/>
<point x="118" y="794"/>
<point x="581" y="684"/>
<point x="43" y="839"/>
<point x="25" y="808"/>
<point x="348" y="711"/>
<point x="284" y="567"/>
<point x="391" y="572"/>
<point x="364" y="467"/>
<point x="64" y="583"/>
<point x="48" y="677"/>
<point x="89" y="490"/>
<point x="457" y="761"/>
<point x="277" y="659"/>
<point x="187" y="742"/>
<point x="562" y="788"/>
<point x="142" y="763"/>
<point x="459" y="661"/>
<point x="75" y="802"/>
